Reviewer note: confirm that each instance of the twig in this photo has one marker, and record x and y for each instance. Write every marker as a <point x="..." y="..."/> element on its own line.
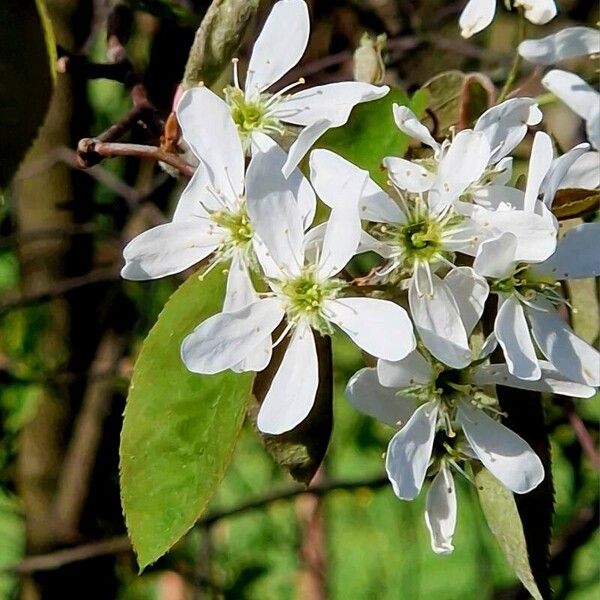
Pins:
<point x="91" y="151"/>
<point x="120" y="544"/>
<point x="583" y="435"/>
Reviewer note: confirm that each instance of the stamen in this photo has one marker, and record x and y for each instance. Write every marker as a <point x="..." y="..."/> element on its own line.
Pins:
<point x="284" y="90"/>
<point x="236" y="80"/>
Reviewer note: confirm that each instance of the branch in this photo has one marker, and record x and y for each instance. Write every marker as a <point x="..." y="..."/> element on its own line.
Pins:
<point x="121" y="544"/>
<point x="90" y="151"/>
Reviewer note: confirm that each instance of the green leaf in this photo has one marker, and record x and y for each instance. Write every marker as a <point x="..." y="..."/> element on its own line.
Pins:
<point x="503" y="518"/>
<point x="27" y="72"/>
<point x="180" y="428"/>
<point x="12" y="548"/>
<point x="301" y="450"/>
<point x="371" y="134"/>
<point x="573" y="203"/>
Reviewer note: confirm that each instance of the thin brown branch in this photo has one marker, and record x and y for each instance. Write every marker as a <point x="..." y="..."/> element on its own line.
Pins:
<point x="121" y="544"/>
<point x="581" y="432"/>
<point x="91" y="151"/>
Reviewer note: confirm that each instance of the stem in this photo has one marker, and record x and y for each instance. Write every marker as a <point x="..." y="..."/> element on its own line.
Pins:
<point x="516" y="65"/>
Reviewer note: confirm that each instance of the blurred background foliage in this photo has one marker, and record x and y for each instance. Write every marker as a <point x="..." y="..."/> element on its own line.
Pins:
<point x="70" y="331"/>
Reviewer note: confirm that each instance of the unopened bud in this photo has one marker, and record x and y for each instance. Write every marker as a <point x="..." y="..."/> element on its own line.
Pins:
<point x="368" y="62"/>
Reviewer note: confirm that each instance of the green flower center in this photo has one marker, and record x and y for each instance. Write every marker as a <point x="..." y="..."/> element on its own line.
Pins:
<point x="306" y="300"/>
<point x="236" y="224"/>
<point x="525" y="286"/>
<point x="250" y="116"/>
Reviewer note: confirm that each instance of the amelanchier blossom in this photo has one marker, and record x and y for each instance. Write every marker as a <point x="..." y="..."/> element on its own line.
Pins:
<point x="478" y="14"/>
<point x="259" y="114"/>
<point x="445" y="420"/>
<point x="528" y="298"/>
<point x="301" y="271"/>
<point x="579" y="96"/>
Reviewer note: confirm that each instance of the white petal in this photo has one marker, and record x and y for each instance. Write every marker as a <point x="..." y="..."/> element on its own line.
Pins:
<point x="208" y="128"/>
<point x="408" y="175"/>
<point x="464" y="163"/>
<point x="558" y="169"/>
<point x="279" y="46"/>
<point x="196" y="198"/>
<point x="407" y="122"/>
<point x="377" y="326"/>
<point x="504" y="171"/>
<point x="227" y="338"/>
<point x="584" y="173"/>
<point x="476" y="16"/>
<point x="579" y="96"/>
<point x="505" y="125"/>
<point x="440" y="511"/>
<point x="332" y="102"/>
<point x="538" y="12"/>
<point x="550" y="381"/>
<point x="512" y="333"/>
<point x="411" y="370"/>
<point x="367" y="395"/>
<point x="343" y="230"/>
<point x="542" y="154"/>
<point x="240" y="292"/>
<point x="573" y="357"/>
<point x="566" y="43"/>
<point x="470" y="292"/>
<point x="293" y="389"/>
<point x="169" y="248"/>
<point x="265" y="175"/>
<point x="306" y="138"/>
<point x="369" y="244"/>
<point x="577" y="254"/>
<point x="275" y="216"/>
<point x="505" y="454"/>
<point x="409" y="452"/>
<point x="496" y="257"/>
<point x="437" y="319"/>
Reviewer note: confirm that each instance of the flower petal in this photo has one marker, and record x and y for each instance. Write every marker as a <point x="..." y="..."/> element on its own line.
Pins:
<point x="276" y="218"/>
<point x="208" y="128"/>
<point x="496" y="257"/>
<point x="505" y="454"/>
<point x="566" y="43"/>
<point x="367" y="395"/>
<point x="264" y="175"/>
<point x="409" y="452"/>
<point x="408" y="123"/>
<point x="573" y="357"/>
<point x="542" y="155"/>
<point x="505" y="125"/>
<point x="584" y="173"/>
<point x="195" y="198"/>
<point x="577" y="254"/>
<point x="476" y="16"/>
<point x="538" y="12"/>
<point x="275" y="52"/>
<point x="292" y="392"/>
<point x="550" y="381"/>
<point x="169" y="248"/>
<point x="470" y="292"/>
<point x="512" y="333"/>
<point x="332" y="102"/>
<point x="408" y="175"/>
<point x="227" y="338"/>
<point x="437" y="319"/>
<point x="440" y="511"/>
<point x="558" y="169"/>
<point x="306" y="138"/>
<point x="379" y="327"/>
<point x="411" y="370"/>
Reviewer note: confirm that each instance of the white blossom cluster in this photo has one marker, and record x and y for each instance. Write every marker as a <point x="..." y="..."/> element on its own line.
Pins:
<point x="453" y="236"/>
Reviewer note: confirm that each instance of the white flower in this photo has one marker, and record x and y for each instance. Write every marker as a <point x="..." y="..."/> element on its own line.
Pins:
<point x="444" y="421"/>
<point x="259" y="114"/>
<point x="301" y="272"/>
<point x="478" y="14"/>
<point x="580" y="97"/>
<point x="211" y="216"/>
<point x="583" y="173"/>
<point x="527" y="296"/>
<point x="566" y="43"/>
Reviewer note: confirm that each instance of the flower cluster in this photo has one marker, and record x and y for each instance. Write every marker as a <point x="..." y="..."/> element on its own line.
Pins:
<point x="457" y="244"/>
